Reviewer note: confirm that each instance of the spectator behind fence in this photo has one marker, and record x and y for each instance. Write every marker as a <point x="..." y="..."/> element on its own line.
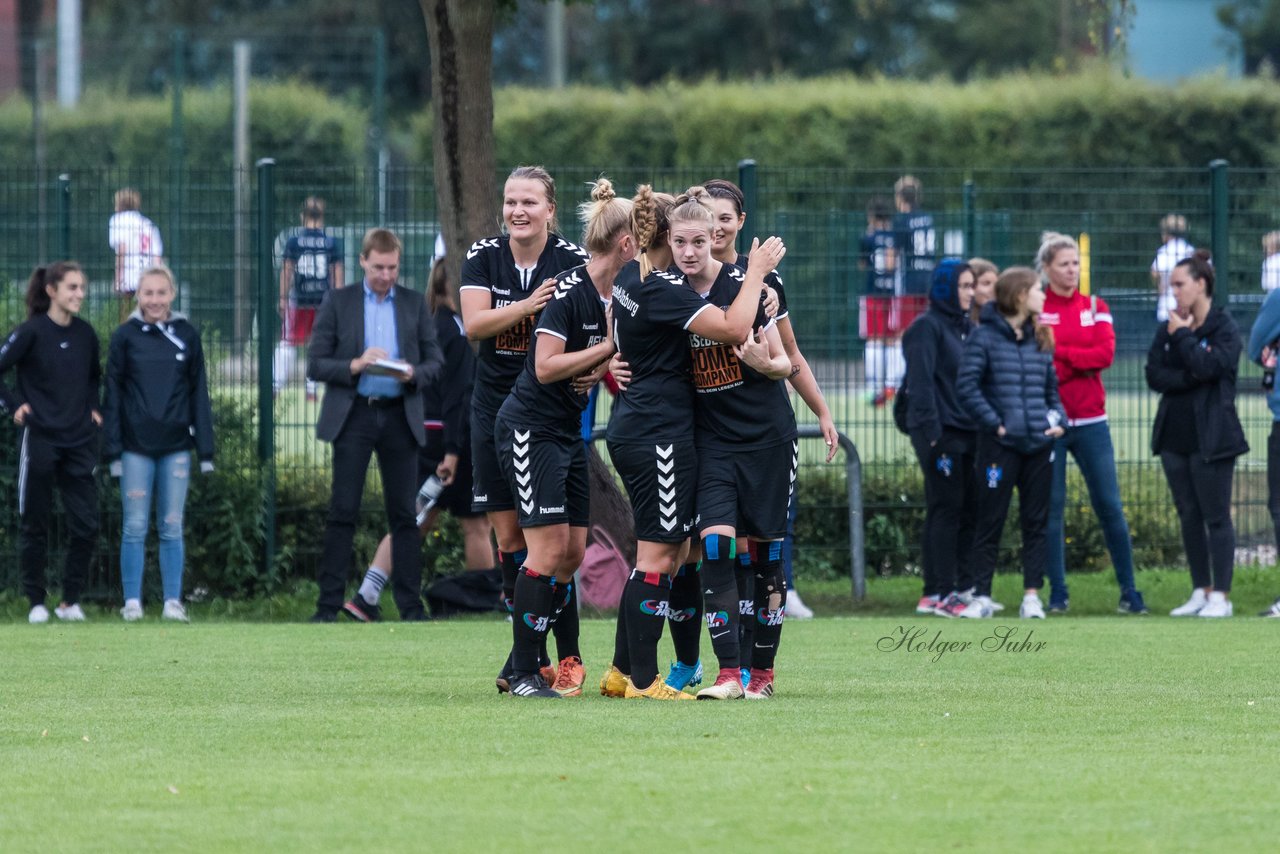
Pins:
<point x="1264" y="341"/>
<point x="373" y="405"/>
<point x="446" y="458"/>
<point x="944" y="437"/>
<point x="985" y="274"/>
<point x="1197" y="434"/>
<point x="875" y="306"/>
<point x="1008" y="385"/>
<point x="1173" y="249"/>
<point x="157" y="406"/>
<point x="1271" y="263"/>
<point x="312" y="265"/>
<point x="1084" y="346"/>
<point x="137" y="245"/>
<point x="56" y="405"/>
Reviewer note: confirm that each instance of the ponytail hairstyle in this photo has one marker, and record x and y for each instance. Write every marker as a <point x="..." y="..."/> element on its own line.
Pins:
<point x="1200" y="266"/>
<point x="650" y="222"/>
<point x="1051" y="243"/>
<point x="38" y="300"/>
<point x="694" y="206"/>
<point x="1012" y="285"/>
<point x="719" y="188"/>
<point x="543" y="177"/>
<point x="438" y="291"/>
<point x="604" y="217"/>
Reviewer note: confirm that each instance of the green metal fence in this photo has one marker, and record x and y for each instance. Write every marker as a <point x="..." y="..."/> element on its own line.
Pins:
<point x="263" y="509"/>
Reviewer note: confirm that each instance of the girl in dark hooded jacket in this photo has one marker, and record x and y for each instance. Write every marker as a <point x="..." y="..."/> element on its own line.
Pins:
<point x="944" y="436"/>
<point x="1008" y="385"/>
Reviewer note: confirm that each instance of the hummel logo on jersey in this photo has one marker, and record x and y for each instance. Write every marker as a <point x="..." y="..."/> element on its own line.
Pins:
<point x="542" y="509"/>
<point x="538" y="624"/>
<point x="480" y="245"/>
<point x="737" y="275"/>
<point x="566" y="285"/>
<point x="669" y="277"/>
<point x="520" y="462"/>
<point x="656" y="607"/>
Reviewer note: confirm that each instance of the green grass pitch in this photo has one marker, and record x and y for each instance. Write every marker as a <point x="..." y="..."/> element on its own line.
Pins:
<point x="1116" y="734"/>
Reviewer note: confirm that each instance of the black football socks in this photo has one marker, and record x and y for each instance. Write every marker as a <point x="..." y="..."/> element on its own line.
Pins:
<point x="686" y="613"/>
<point x="720" y="590"/>
<point x="564" y="621"/>
<point x="646" y="599"/>
<point x="769" y="604"/>
<point x="534" y="599"/>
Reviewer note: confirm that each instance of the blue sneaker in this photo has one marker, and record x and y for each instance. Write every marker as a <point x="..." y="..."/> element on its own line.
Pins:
<point x="684" y="675"/>
<point x="1058" y="602"/>
<point x="746" y="677"/>
<point x="1131" y="603"/>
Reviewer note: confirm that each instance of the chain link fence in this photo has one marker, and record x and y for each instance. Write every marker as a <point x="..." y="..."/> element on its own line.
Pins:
<point x="259" y="518"/>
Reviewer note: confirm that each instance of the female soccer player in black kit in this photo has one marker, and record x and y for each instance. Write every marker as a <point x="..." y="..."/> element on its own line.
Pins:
<point x="650" y="434"/>
<point x="538" y="434"/>
<point x="56" y="405"/>
<point x="506" y="281"/>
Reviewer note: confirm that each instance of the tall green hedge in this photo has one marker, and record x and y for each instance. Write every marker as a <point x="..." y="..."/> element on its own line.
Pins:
<point x="1096" y="119"/>
<point x="293" y="123"/>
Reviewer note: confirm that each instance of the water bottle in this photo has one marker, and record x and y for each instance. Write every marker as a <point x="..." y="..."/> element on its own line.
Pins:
<point x="428" y="495"/>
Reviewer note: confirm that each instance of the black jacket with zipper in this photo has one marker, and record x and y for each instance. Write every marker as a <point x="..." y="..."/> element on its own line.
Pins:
<point x="1201" y="363"/>
<point x="157" y="393"/>
<point x="933" y="347"/>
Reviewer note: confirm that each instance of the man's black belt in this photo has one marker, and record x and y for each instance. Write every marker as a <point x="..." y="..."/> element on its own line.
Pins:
<point x="380" y="402"/>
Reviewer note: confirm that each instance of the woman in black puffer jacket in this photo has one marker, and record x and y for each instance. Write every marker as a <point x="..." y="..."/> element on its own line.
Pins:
<point x="1008" y="385"/>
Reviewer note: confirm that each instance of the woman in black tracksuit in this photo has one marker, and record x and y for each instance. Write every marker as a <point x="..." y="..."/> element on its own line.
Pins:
<point x="1008" y="385"/>
<point x="943" y="435"/>
<point x="1197" y="434"/>
<point x="157" y="407"/>
<point x="56" y="405"/>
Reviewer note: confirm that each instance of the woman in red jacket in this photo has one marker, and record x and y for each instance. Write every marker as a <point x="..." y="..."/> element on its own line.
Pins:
<point x="1086" y="346"/>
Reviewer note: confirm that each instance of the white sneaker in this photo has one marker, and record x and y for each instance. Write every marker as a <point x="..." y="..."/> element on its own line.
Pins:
<point x="796" y="609"/>
<point x="132" y="610"/>
<point x="70" y="613"/>
<point x="39" y="614"/>
<point x="173" y="610"/>
<point x="1218" y="606"/>
<point x="979" y="609"/>
<point x="1032" y="608"/>
<point x="1273" y="611"/>
<point x="995" y="606"/>
<point x="1192" y="606"/>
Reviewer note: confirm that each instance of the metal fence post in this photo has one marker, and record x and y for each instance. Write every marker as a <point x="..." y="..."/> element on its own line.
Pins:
<point x="177" y="153"/>
<point x="1220" y="211"/>
<point x="64" y="216"/>
<point x="747" y="183"/>
<point x="267" y="334"/>
<point x="377" y="129"/>
<point x="970" y="220"/>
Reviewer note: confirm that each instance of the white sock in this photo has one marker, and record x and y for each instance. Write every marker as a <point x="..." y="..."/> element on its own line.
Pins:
<point x="283" y="364"/>
<point x="371" y="588"/>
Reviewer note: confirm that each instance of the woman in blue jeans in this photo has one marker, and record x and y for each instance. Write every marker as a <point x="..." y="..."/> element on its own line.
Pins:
<point x="1085" y="347"/>
<point x="157" y="406"/>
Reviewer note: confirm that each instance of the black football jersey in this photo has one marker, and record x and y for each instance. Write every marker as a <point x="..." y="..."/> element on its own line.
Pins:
<point x="774" y="281"/>
<point x="575" y="315"/>
<point x="650" y="323"/>
<point x="491" y="267"/>
<point x="737" y="408"/>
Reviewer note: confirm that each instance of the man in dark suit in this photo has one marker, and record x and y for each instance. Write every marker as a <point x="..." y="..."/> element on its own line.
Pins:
<point x="367" y="411"/>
